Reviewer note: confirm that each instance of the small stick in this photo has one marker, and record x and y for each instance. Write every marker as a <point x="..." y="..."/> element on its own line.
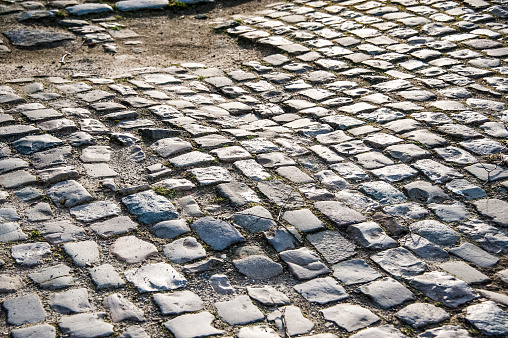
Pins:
<point x="63" y="58"/>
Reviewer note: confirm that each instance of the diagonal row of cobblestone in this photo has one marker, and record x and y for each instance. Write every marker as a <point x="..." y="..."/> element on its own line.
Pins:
<point x="352" y="184"/>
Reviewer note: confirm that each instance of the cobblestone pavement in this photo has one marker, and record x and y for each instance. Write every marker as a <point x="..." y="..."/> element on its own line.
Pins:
<point x="352" y="183"/>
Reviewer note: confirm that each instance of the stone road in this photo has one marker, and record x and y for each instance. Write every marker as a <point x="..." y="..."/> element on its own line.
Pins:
<point x="352" y="183"/>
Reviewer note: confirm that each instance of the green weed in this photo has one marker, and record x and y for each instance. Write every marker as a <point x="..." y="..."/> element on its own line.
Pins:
<point x="177" y="4"/>
<point x="35" y="234"/>
<point x="168" y="193"/>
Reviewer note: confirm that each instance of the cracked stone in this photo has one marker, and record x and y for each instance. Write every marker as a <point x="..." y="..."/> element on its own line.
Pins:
<point x="30" y="253"/>
<point x="303" y="263"/>
<point x="121" y="309"/>
<point x="399" y="262"/>
<point x="443" y="288"/>
<point x="155" y="277"/>
<point x="53" y="277"/>
<point x="267" y="295"/>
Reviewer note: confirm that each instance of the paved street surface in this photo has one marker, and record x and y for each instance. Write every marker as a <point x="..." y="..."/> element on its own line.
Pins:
<point x="350" y="183"/>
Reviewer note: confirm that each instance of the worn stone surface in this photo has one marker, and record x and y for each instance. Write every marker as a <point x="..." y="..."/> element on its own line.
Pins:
<point x="399" y="262"/>
<point x="261" y="331"/>
<point x="387" y="292"/>
<point x="132" y="249"/>
<point x="422" y="314"/>
<point x="68" y="193"/>
<point x="216" y="233"/>
<point x="303" y="219"/>
<point x="240" y="310"/>
<point x="178" y="302"/>
<point x="193" y="325"/>
<point x="258" y="267"/>
<point x="443" y="288"/>
<point x="488" y="317"/>
<point x="332" y="245"/>
<point x="349" y="316"/>
<point x="303" y="263"/>
<point x="371" y="235"/>
<point x="493" y="208"/>
<point x="354" y="271"/>
<point x="43" y="331"/>
<point x="184" y="250"/>
<point x="321" y="290"/>
<point x="30" y="253"/>
<point x="105" y="276"/>
<point x="155" y="277"/>
<point x="475" y="255"/>
<point x="238" y="193"/>
<point x="36" y="37"/>
<point x="150" y="207"/>
<point x="114" y="226"/>
<point x="268" y="295"/>
<point x="83" y="253"/>
<point x="24" y="310"/>
<point x="295" y="324"/>
<point x="220" y="284"/>
<point x="95" y="211"/>
<point x="255" y="219"/>
<point x="170" y="229"/>
<point x="53" y="277"/>
<point x="392" y="113"/>
<point x="85" y="325"/>
<point x="422" y="247"/>
<point x="72" y="301"/>
<point x="436" y="232"/>
<point x="338" y="213"/>
<point x="121" y="309"/>
<point x="465" y="272"/>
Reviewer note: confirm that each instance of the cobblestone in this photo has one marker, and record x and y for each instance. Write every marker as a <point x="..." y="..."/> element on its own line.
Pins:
<point x="321" y="190"/>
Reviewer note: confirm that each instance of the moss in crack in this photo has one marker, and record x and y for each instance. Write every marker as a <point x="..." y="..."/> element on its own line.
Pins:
<point x="408" y="331"/>
<point x="474" y="332"/>
<point x="220" y="200"/>
<point x="35" y="234"/>
<point x="177" y="4"/>
<point x="168" y="193"/>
